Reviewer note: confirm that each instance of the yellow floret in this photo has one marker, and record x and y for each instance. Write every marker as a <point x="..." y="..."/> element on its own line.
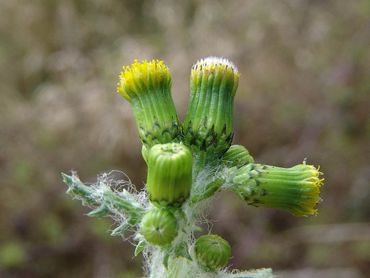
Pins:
<point x="142" y="77"/>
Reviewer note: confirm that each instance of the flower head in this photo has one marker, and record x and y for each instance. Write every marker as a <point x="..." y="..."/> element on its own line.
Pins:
<point x="169" y="173"/>
<point x="159" y="226"/>
<point x="144" y="77"/>
<point x="147" y="86"/>
<point x="216" y="65"/>
<point x="295" y="189"/>
<point x="212" y="252"/>
<point x="208" y="124"/>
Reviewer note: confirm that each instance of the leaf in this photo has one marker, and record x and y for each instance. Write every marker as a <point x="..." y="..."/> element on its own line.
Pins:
<point x="99" y="212"/>
<point x="165" y="259"/>
<point x="119" y="230"/>
<point x="140" y="247"/>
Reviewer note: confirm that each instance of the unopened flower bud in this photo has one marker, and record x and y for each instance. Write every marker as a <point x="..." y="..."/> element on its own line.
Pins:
<point x="237" y="155"/>
<point x="208" y="124"/>
<point x="212" y="252"/>
<point x="147" y="86"/>
<point x="169" y="173"/>
<point x="295" y="189"/>
<point x="159" y="226"/>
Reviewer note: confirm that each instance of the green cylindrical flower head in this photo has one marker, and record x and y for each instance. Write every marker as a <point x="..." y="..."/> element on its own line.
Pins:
<point x="212" y="252"/>
<point x="159" y="226"/>
<point x="147" y="86"/>
<point x="208" y="124"/>
<point x="169" y="173"/>
<point x="295" y="189"/>
<point x="237" y="155"/>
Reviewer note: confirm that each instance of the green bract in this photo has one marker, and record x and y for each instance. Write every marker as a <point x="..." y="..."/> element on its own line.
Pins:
<point x="159" y="226"/>
<point x="212" y="252"/>
<point x="169" y="173"/>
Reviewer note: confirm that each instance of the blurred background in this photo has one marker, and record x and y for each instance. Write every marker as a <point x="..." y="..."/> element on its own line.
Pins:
<point x="304" y="92"/>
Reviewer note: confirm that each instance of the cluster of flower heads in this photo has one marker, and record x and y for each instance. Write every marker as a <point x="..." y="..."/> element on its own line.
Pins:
<point x="174" y="151"/>
<point x="189" y="162"/>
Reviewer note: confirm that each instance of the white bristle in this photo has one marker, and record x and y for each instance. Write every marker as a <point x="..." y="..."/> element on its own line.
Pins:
<point x="213" y="60"/>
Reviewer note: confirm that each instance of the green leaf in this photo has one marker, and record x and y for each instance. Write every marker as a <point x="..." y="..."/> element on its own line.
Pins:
<point x="99" y="212"/>
<point x="119" y="230"/>
<point x="140" y="247"/>
<point x="165" y="259"/>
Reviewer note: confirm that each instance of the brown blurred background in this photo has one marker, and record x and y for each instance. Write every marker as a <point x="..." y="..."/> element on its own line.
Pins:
<point x="304" y="93"/>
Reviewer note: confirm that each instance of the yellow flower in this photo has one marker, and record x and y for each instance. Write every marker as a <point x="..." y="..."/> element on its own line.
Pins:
<point x="147" y="86"/>
<point x="143" y="77"/>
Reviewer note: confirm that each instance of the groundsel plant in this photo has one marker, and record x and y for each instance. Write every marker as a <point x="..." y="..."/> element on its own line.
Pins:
<point x="188" y="163"/>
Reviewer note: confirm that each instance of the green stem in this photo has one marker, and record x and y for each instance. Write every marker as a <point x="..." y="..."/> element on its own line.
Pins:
<point x="124" y="204"/>
<point x="109" y="202"/>
<point x="77" y="188"/>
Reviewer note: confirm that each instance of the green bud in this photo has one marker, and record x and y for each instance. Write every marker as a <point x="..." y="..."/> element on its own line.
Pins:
<point x="212" y="252"/>
<point x="295" y="189"/>
<point x="237" y="155"/>
<point x="169" y="173"/>
<point x="147" y="86"/>
<point x="208" y="124"/>
<point x="159" y="226"/>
